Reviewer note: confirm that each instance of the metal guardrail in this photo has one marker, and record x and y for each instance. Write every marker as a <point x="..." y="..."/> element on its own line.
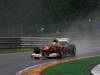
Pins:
<point x="8" y="43"/>
<point x="23" y="42"/>
<point x="30" y="42"/>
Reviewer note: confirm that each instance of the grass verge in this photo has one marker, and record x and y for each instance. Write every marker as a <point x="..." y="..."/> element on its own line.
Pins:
<point x="78" y="67"/>
<point x="2" y="51"/>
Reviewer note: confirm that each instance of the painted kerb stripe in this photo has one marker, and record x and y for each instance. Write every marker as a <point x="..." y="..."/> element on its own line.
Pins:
<point x="38" y="69"/>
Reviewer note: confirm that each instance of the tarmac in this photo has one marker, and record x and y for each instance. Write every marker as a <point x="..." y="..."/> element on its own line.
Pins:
<point x="37" y="70"/>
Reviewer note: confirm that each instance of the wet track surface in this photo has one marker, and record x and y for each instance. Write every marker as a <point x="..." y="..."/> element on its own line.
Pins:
<point x="12" y="63"/>
<point x="87" y="44"/>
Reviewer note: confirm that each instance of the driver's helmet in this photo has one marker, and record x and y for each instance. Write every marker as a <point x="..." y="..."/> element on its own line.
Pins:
<point x="55" y="40"/>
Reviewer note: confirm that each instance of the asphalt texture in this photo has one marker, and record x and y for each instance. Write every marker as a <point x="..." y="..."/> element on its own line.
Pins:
<point x="87" y="44"/>
<point x="12" y="63"/>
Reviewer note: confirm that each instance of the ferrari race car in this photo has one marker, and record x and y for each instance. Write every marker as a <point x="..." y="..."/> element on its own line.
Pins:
<point x="59" y="48"/>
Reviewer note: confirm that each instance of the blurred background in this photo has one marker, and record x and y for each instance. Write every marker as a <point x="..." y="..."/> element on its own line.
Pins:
<point x="26" y="18"/>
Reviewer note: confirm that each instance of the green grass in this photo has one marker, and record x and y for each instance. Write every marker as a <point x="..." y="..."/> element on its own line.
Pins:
<point x="2" y="51"/>
<point x="77" y="67"/>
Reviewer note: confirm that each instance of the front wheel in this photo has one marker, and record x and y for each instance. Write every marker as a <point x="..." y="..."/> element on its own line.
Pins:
<point x="36" y="50"/>
<point x="36" y="57"/>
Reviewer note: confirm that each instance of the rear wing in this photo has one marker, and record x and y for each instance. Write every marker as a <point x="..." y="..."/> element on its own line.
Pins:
<point x="63" y="40"/>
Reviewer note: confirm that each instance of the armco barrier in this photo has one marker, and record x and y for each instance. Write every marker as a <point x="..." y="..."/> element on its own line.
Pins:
<point x="9" y="43"/>
<point x="23" y="42"/>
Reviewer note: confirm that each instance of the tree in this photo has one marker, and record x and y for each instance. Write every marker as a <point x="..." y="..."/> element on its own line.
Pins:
<point x="59" y="10"/>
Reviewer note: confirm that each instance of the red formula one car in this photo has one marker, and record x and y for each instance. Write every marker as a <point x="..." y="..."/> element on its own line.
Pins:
<point x="59" y="48"/>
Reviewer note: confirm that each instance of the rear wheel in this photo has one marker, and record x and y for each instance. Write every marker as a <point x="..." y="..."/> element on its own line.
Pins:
<point x="72" y="50"/>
